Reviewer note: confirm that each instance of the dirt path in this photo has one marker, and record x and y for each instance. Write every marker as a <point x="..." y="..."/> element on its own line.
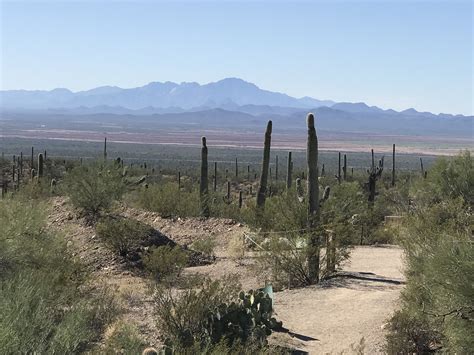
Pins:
<point x="336" y="314"/>
<point x="341" y="312"/>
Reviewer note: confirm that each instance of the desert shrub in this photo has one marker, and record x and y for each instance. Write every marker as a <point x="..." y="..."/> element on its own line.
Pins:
<point x="205" y="246"/>
<point x="35" y="189"/>
<point x="46" y="305"/>
<point x="125" y="339"/>
<point x="286" y="258"/>
<point x="447" y="179"/>
<point x="439" y="249"/>
<point x="92" y="189"/>
<point x="168" y="201"/>
<point x="181" y="316"/>
<point x="166" y="262"/>
<point x="122" y="234"/>
<point x="214" y="314"/>
<point x="410" y="334"/>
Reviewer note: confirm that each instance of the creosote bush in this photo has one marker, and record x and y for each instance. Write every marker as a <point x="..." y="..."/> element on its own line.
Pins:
<point x="166" y="262"/>
<point x="214" y="314"/>
<point x="92" y="189"/>
<point x="205" y="246"/>
<point x="122" y="235"/>
<point x="46" y="305"/>
<point x="437" y="302"/>
<point x="168" y="201"/>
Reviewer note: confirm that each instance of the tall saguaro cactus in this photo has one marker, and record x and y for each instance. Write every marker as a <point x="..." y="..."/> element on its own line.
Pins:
<point x="276" y="168"/>
<point x="289" y="170"/>
<point x="203" y="187"/>
<point x="338" y="176"/>
<point x="40" y="165"/>
<point x="215" y="177"/>
<point x="105" y="148"/>
<point x="32" y="158"/>
<point x="236" y="168"/>
<point x="344" y="168"/>
<point x="262" y="189"/>
<point x="393" y="165"/>
<point x="313" y="201"/>
<point x="375" y="172"/>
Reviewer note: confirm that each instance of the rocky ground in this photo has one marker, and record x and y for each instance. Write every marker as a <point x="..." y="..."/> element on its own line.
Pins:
<point x="334" y="317"/>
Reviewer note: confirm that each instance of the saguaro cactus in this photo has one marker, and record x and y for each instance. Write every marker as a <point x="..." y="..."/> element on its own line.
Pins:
<point x="289" y="170"/>
<point x="276" y="168"/>
<point x="344" y="168"/>
<point x="393" y="165"/>
<point x="21" y="164"/>
<point x="299" y="190"/>
<point x="265" y="166"/>
<point x="375" y="172"/>
<point x="40" y="165"/>
<point x="203" y="187"/>
<point x="32" y="158"/>
<point x="215" y="177"/>
<point x="105" y="148"/>
<point x="338" y="176"/>
<point x="227" y="196"/>
<point x="323" y="172"/>
<point x="424" y="173"/>
<point x="236" y="168"/>
<point x="313" y="201"/>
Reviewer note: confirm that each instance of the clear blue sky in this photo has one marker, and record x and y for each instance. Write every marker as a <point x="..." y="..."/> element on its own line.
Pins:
<point x="396" y="54"/>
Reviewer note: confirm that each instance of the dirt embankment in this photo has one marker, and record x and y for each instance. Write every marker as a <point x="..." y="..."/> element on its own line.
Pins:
<point x="328" y="318"/>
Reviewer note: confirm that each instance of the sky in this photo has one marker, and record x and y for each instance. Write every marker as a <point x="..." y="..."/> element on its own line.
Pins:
<point x="393" y="54"/>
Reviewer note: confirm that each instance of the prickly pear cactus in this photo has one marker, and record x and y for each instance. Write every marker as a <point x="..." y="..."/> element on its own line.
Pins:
<point x="249" y="317"/>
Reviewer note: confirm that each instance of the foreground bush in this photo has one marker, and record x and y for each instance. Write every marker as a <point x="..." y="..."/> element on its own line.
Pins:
<point x="212" y="314"/>
<point x="46" y="306"/>
<point x="438" y="304"/>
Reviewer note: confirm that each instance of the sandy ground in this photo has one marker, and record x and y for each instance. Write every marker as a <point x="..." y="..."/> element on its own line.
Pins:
<point x="341" y="312"/>
<point x="328" y="318"/>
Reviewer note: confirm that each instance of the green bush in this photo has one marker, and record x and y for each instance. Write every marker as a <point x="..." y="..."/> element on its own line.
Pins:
<point x="214" y="316"/>
<point x="46" y="305"/>
<point x="125" y="339"/>
<point x="181" y="316"/>
<point x="122" y="235"/>
<point x="168" y="201"/>
<point x="205" y="246"/>
<point x="166" y="262"/>
<point x="439" y="250"/>
<point x="92" y="189"/>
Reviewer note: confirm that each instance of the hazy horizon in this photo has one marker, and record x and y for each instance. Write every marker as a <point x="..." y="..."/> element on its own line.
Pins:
<point x="395" y="55"/>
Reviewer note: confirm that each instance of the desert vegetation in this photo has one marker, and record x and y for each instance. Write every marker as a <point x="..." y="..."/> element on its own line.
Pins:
<point x="299" y="224"/>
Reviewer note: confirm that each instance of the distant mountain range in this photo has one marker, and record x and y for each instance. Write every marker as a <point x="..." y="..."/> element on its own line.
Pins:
<point x="226" y="103"/>
<point x="224" y="93"/>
